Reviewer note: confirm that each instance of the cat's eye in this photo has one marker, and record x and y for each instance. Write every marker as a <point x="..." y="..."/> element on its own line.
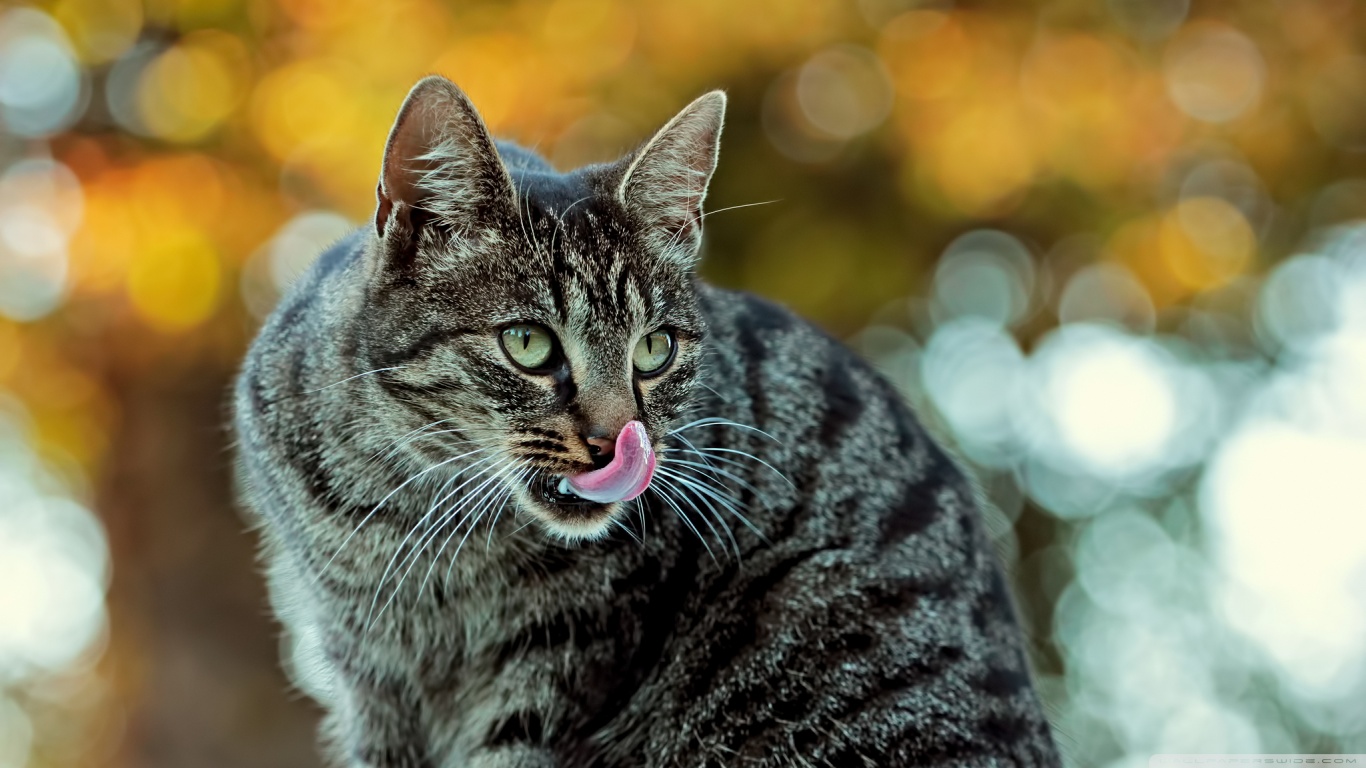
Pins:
<point x="653" y="352"/>
<point x="529" y="346"/>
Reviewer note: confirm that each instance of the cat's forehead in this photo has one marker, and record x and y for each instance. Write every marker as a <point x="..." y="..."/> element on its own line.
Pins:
<point x="587" y="269"/>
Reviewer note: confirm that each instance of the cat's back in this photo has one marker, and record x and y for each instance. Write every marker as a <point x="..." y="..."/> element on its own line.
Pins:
<point x="872" y="600"/>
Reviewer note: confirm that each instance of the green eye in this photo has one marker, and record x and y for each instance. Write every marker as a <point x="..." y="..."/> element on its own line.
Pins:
<point x="654" y="351"/>
<point x="529" y="346"/>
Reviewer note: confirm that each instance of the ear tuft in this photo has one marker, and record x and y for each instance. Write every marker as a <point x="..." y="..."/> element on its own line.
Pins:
<point x="666" y="181"/>
<point x="440" y="160"/>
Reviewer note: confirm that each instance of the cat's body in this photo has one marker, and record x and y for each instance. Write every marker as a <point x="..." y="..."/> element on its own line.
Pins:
<point x="860" y="621"/>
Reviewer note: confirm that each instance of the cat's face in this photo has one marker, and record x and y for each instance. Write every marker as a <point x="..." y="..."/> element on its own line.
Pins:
<point x="550" y="319"/>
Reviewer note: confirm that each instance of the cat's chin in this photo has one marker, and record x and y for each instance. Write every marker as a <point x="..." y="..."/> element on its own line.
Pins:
<point x="569" y="516"/>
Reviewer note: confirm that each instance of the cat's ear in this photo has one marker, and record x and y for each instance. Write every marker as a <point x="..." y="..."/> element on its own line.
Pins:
<point x="666" y="180"/>
<point x="440" y="161"/>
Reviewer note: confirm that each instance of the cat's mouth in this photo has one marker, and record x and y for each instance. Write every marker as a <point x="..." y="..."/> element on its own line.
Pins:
<point x="587" y="498"/>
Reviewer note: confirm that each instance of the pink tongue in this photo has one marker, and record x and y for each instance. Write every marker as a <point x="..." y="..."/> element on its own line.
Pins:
<point x="632" y="467"/>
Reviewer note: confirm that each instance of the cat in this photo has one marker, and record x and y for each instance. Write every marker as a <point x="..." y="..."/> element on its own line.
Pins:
<point x="532" y="494"/>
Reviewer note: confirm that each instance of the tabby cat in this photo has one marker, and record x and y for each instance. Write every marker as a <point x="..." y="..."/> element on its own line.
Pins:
<point x="531" y="494"/>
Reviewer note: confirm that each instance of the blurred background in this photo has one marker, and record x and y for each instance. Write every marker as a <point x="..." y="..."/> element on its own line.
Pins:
<point x="1116" y="249"/>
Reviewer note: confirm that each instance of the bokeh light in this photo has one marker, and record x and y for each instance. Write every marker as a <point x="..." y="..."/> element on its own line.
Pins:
<point x="42" y="87"/>
<point x="1116" y="253"/>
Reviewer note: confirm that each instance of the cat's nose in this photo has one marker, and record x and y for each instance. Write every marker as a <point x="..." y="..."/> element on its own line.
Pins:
<point x="601" y="444"/>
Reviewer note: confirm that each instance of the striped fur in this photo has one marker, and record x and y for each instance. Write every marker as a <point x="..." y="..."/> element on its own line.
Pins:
<point x="861" y="620"/>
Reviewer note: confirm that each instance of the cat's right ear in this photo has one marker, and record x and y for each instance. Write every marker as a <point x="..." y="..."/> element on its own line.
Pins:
<point x="440" y="162"/>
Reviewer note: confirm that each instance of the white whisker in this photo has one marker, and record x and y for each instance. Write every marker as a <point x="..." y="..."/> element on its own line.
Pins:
<point x="715" y="513"/>
<point x="390" y="495"/>
<point x="349" y="378"/>
<point x="713" y="449"/>
<point x="662" y="491"/>
<point x="703" y="486"/>
<point x="714" y="421"/>
<point x="389" y="567"/>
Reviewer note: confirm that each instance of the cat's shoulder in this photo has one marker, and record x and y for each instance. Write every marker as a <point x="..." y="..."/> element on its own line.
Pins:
<point x="755" y="322"/>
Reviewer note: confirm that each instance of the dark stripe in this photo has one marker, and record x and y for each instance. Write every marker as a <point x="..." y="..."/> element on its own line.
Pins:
<point x="556" y="459"/>
<point x="304" y="455"/>
<point x="737" y="623"/>
<point x="545" y="445"/>
<point x="566" y="390"/>
<point x="1000" y="681"/>
<point x="623" y="274"/>
<point x="659" y="620"/>
<point x="1007" y="730"/>
<point x="571" y="625"/>
<point x="429" y="341"/>
<point x="399" y="388"/>
<point x="918" y="507"/>
<point x="907" y="428"/>
<point x="843" y="402"/>
<point x="519" y="728"/>
<point x="561" y="269"/>
<point x="993" y="606"/>
<point x="292" y="313"/>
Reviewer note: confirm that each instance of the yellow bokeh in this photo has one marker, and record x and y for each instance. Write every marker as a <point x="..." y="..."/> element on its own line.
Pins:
<point x="305" y="101"/>
<point x="1077" y="74"/>
<point x="1206" y="241"/>
<point x="1137" y="245"/>
<point x="492" y="70"/>
<point x="193" y="86"/>
<point x="193" y="14"/>
<point x="587" y="38"/>
<point x="927" y="53"/>
<point x="104" y="246"/>
<point x="174" y="282"/>
<point x="177" y="190"/>
<point x="11" y="348"/>
<point x="981" y="158"/>
<point x="100" y="30"/>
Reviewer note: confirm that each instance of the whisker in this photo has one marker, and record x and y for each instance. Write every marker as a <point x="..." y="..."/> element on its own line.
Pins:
<point x="692" y="193"/>
<point x="639" y="501"/>
<point x="703" y="486"/>
<point x="463" y="539"/>
<point x="390" y="495"/>
<point x="413" y="435"/>
<point x="707" y="457"/>
<point x="406" y="434"/>
<point x="411" y="560"/>
<point x="664" y="484"/>
<point x="775" y="470"/>
<point x="714" y="421"/>
<point x="349" y="378"/>
<point x="395" y="449"/>
<point x="389" y="567"/>
<point x="710" y="507"/>
<point x="705" y="214"/>
<point x="629" y="532"/>
<point x="480" y="506"/>
<point x="719" y="472"/>
<point x="493" y="524"/>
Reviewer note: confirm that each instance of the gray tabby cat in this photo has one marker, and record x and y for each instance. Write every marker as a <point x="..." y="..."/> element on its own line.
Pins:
<point x="533" y="495"/>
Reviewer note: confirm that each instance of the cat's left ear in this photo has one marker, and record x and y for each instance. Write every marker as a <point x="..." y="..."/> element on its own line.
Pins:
<point x="666" y="180"/>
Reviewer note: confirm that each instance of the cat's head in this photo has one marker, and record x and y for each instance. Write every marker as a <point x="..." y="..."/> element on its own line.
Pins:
<point x="550" y="318"/>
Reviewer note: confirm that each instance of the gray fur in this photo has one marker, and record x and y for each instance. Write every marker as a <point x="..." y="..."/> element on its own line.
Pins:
<point x="854" y="616"/>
